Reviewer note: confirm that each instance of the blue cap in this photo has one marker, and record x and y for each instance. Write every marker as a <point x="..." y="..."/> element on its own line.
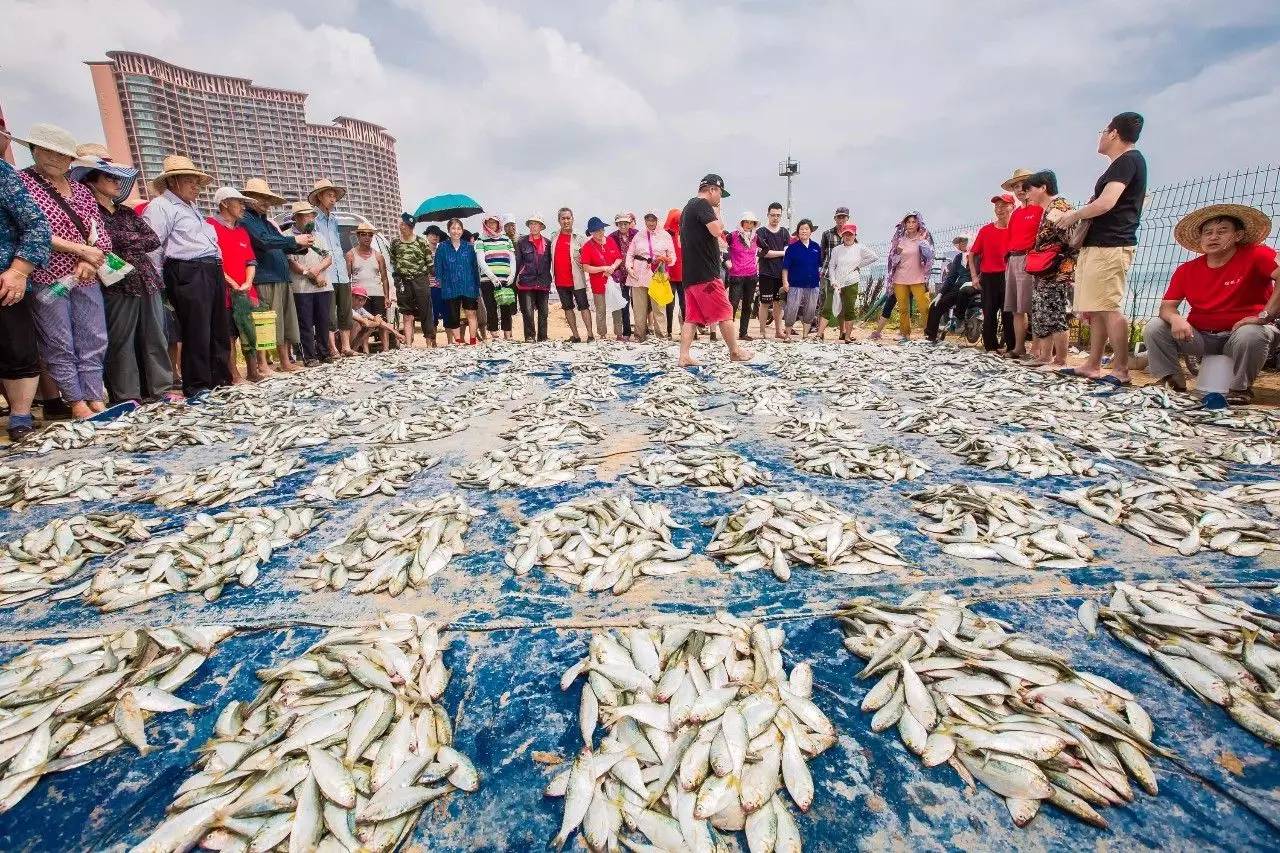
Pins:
<point x="595" y="224"/>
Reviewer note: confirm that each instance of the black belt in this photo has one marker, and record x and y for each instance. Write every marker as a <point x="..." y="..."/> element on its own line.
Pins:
<point x="211" y="260"/>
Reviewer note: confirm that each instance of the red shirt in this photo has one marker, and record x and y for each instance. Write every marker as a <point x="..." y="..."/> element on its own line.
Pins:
<point x="237" y="254"/>
<point x="989" y="247"/>
<point x="599" y="255"/>
<point x="1023" y="224"/>
<point x="1221" y="297"/>
<point x="562" y="269"/>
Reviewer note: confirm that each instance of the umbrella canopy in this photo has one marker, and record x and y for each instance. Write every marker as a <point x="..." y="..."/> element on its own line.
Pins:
<point x="441" y="207"/>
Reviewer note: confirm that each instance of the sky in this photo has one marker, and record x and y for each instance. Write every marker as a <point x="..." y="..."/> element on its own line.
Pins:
<point x="618" y="105"/>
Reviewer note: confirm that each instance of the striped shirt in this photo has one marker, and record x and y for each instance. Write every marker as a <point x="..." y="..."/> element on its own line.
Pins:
<point x="495" y="257"/>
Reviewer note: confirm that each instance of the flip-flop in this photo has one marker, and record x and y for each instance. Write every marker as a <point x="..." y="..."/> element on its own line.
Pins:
<point x="1110" y="379"/>
<point x="1070" y="371"/>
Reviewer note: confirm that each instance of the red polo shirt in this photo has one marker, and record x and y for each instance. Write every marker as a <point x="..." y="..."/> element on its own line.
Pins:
<point x="237" y="254"/>
<point x="1219" y="298"/>
<point x="1023" y="224"/>
<point x="599" y="255"/>
<point x="989" y="247"/>
<point x="562" y="266"/>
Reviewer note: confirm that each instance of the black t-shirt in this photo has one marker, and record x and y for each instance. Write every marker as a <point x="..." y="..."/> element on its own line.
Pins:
<point x="1119" y="225"/>
<point x="772" y="242"/>
<point x="701" y="261"/>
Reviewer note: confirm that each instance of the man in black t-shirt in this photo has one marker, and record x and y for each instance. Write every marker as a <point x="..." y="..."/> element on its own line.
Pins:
<point x="706" y="302"/>
<point x="772" y="240"/>
<point x="1108" y="248"/>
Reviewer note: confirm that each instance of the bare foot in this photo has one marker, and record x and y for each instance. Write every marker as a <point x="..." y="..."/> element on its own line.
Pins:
<point x="80" y="410"/>
<point x="689" y="361"/>
<point x="97" y="405"/>
<point x="743" y="354"/>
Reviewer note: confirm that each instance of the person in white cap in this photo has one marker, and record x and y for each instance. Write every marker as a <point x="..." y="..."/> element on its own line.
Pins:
<point x="68" y="307"/>
<point x="744" y="271"/>
<point x="192" y="267"/>
<point x="649" y="251"/>
<point x="239" y="266"/>
<point x="533" y="278"/>
<point x="272" y="279"/>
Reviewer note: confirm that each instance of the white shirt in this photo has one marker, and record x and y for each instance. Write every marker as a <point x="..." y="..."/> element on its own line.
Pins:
<point x="847" y="263"/>
<point x="184" y="233"/>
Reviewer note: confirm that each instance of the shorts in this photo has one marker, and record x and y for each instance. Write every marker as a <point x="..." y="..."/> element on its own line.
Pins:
<point x="707" y="302"/>
<point x="769" y="287"/>
<point x="571" y="298"/>
<point x="1100" y="275"/>
<point x="1017" y="285"/>
<point x="377" y="306"/>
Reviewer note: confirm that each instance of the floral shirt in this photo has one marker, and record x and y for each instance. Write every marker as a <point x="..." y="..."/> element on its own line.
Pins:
<point x="131" y="239"/>
<point x="24" y="231"/>
<point x="411" y="258"/>
<point x="1048" y="236"/>
<point x="84" y="204"/>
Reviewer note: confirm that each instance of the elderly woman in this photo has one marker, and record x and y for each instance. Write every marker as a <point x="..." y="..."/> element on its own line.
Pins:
<point x="533" y="278"/>
<point x="24" y="247"/>
<point x="1050" y="291"/>
<point x="624" y="232"/>
<point x="496" y="263"/>
<point x="138" y="366"/>
<point x="910" y="260"/>
<point x="239" y="266"/>
<point x="459" y="276"/>
<point x="68" y="306"/>
<point x="648" y="252"/>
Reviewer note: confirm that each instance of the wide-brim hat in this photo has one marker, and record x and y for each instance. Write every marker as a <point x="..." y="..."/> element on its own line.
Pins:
<point x="1018" y="176"/>
<point x="92" y="157"/>
<point x="595" y="224"/>
<point x="175" y="165"/>
<point x="49" y="137"/>
<point x="1257" y="225"/>
<point x="325" y="184"/>
<point x="299" y="208"/>
<point x="366" y="228"/>
<point x="535" y="218"/>
<point x="259" y="190"/>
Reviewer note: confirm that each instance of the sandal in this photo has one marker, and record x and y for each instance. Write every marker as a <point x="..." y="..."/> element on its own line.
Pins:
<point x="1240" y="398"/>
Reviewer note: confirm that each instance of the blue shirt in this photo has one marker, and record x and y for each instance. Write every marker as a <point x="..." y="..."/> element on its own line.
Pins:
<point x="327" y="228"/>
<point x="269" y="246"/>
<point x="456" y="270"/>
<point x="802" y="264"/>
<point x="24" y="231"/>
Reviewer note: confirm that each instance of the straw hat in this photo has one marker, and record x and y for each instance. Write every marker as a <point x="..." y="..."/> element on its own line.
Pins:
<point x="1018" y="176"/>
<point x="536" y="218"/>
<point x="366" y="228"/>
<point x="1257" y="225"/>
<point x="175" y="165"/>
<point x="301" y="207"/>
<point x="325" y="184"/>
<point x="49" y="137"/>
<point x="259" y="190"/>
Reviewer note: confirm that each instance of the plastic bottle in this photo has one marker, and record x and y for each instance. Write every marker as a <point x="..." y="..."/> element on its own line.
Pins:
<point x="51" y="294"/>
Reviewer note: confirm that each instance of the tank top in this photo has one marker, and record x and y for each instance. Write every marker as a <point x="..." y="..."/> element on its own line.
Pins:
<point x="364" y="273"/>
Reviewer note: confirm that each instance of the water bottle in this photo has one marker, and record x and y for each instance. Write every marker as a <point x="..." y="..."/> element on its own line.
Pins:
<point x="51" y="294"/>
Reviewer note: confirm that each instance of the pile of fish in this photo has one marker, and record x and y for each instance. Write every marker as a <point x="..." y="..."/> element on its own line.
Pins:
<point x="1220" y="648"/>
<point x="65" y="435"/>
<point x="1265" y="494"/>
<point x="863" y="399"/>
<point x="341" y="749"/>
<point x="558" y="431"/>
<point x="65" y="705"/>
<point x="380" y="470"/>
<point x="394" y="549"/>
<point x="553" y="408"/>
<point x="819" y="425"/>
<point x="1260" y="420"/>
<point x="1251" y="451"/>
<point x="704" y="730"/>
<point x="706" y="468"/>
<point x="1176" y="515"/>
<point x="1166" y="458"/>
<point x="930" y="422"/>
<point x="593" y="385"/>
<point x="434" y="422"/>
<point x="223" y="482"/>
<point x="506" y="387"/>
<point x="979" y="522"/>
<point x="598" y="544"/>
<point x="778" y="531"/>
<point x="287" y="435"/>
<point x="999" y="708"/>
<point x="1147" y="423"/>
<point x="1026" y="454"/>
<point x="210" y="552"/>
<point x="694" y="430"/>
<point x="94" y="479"/>
<point x="853" y="460"/>
<point x="521" y="465"/>
<point x="164" y="436"/>
<point x="257" y="412"/>
<point x="35" y="563"/>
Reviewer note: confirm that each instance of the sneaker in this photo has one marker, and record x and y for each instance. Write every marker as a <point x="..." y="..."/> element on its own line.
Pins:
<point x="19" y="432"/>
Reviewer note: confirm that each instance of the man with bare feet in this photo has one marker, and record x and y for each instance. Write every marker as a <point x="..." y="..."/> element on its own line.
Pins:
<point x="706" y="301"/>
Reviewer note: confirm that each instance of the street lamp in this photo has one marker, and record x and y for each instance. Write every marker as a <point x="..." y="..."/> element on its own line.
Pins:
<point x="788" y="169"/>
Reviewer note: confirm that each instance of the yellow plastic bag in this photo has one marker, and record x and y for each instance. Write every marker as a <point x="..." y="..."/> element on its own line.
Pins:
<point x="660" y="288"/>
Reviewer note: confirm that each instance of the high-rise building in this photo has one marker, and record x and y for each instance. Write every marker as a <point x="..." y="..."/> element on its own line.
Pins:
<point x="236" y="130"/>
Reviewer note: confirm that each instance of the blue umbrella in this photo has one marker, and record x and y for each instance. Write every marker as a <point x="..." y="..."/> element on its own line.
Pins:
<point x="448" y="206"/>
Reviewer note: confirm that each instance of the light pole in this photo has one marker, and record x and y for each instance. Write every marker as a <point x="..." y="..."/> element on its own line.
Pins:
<point x="788" y="169"/>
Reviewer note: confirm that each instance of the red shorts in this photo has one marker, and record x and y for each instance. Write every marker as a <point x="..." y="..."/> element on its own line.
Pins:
<point x="707" y="302"/>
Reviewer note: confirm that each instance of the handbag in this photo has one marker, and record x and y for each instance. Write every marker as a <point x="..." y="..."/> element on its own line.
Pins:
<point x="660" y="288"/>
<point x="613" y="298"/>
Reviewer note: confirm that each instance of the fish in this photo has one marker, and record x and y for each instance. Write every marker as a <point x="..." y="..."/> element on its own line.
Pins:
<point x="851" y="460"/>
<point x="694" y="430"/>
<point x="520" y="465"/>
<point x="92" y="479"/>
<point x="1005" y="711"/>
<point x="68" y="703"/>
<point x="1026" y="454"/>
<point x="706" y="468"/>
<point x="357" y="779"/>
<point x="222" y="483"/>
<point x="395" y="549"/>
<point x="670" y="773"/>
<point x="376" y="471"/>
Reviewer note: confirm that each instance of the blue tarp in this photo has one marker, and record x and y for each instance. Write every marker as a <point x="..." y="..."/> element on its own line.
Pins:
<point x="511" y="640"/>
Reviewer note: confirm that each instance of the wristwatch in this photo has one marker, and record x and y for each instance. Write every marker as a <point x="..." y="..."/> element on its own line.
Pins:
<point x="1264" y="316"/>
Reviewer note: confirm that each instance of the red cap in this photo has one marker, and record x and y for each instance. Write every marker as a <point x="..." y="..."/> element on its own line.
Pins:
<point x="359" y="291"/>
<point x="1007" y="198"/>
<point x="849" y="228"/>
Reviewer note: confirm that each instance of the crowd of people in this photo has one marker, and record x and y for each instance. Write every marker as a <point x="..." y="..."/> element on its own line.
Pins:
<point x="104" y="302"/>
